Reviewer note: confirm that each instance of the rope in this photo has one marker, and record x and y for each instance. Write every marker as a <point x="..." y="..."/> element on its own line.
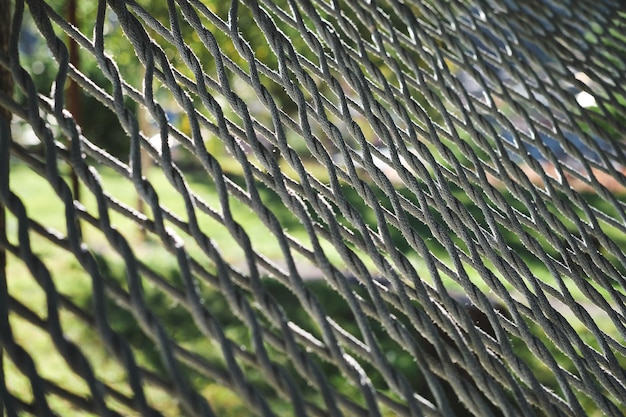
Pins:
<point x="427" y="179"/>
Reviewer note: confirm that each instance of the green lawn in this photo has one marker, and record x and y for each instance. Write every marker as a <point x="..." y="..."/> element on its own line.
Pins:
<point x="70" y="280"/>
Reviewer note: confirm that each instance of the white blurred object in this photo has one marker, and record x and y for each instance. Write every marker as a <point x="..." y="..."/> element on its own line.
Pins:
<point x="585" y="99"/>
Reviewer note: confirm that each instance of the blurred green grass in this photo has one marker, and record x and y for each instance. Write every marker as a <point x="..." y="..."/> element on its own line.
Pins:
<point x="44" y="207"/>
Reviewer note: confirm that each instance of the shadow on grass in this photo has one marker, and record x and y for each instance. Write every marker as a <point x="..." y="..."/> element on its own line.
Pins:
<point x="182" y="329"/>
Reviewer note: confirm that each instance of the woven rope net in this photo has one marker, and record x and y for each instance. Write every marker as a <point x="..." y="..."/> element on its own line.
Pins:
<point x="322" y="208"/>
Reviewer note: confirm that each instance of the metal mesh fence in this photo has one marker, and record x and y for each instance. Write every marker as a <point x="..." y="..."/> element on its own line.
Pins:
<point x="314" y="208"/>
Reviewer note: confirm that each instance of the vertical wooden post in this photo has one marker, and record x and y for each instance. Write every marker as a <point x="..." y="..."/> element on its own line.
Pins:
<point x="6" y="88"/>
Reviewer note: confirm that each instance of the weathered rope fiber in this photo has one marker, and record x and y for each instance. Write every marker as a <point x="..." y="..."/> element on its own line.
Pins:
<point x="447" y="177"/>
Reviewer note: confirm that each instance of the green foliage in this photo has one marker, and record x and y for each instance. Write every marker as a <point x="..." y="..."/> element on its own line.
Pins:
<point x="100" y="124"/>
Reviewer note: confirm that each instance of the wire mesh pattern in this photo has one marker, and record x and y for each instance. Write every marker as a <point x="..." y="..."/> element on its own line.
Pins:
<point x="451" y="172"/>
